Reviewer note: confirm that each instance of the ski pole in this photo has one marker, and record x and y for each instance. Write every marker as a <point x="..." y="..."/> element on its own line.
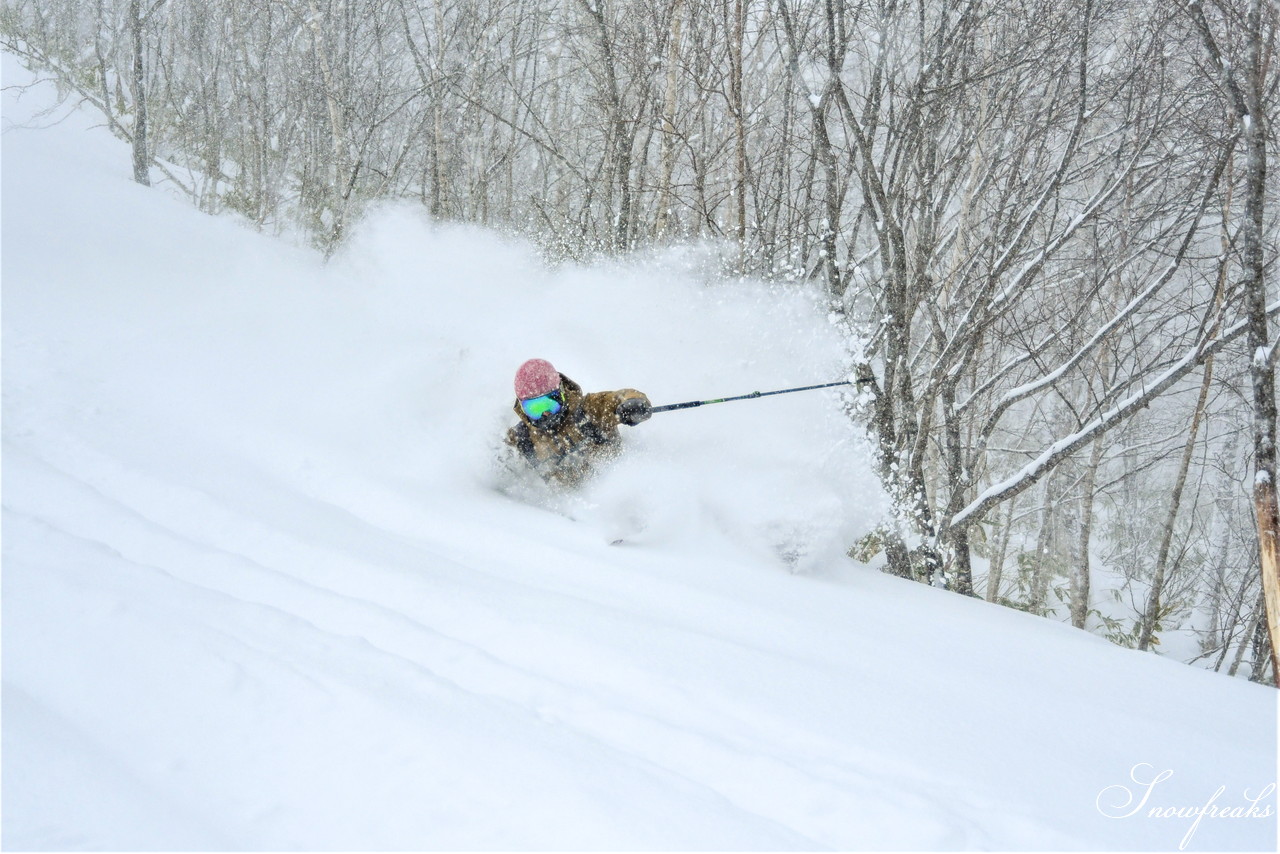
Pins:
<point x="692" y="403"/>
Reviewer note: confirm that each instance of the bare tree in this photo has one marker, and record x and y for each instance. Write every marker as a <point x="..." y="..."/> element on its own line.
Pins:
<point x="1244" y="81"/>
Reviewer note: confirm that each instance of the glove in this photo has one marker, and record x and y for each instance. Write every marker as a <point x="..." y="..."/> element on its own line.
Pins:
<point x="633" y="410"/>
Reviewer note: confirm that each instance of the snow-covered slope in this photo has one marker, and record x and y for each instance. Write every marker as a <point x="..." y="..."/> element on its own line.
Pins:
<point x="260" y="589"/>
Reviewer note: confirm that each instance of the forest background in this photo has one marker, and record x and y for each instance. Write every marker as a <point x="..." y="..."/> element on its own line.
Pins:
<point x="1046" y="230"/>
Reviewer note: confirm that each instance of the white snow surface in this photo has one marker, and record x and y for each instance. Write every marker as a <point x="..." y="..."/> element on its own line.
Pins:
<point x="262" y="589"/>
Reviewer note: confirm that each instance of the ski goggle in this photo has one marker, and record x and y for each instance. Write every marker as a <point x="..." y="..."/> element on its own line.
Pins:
<point x="548" y="404"/>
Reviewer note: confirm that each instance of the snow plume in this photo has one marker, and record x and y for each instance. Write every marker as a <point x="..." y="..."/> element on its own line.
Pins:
<point x="261" y="589"/>
<point x="449" y="312"/>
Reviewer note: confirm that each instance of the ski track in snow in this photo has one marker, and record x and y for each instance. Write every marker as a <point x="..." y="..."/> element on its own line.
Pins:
<point x="642" y="722"/>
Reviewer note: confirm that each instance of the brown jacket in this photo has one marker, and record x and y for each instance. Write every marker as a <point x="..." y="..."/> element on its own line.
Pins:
<point x="585" y="431"/>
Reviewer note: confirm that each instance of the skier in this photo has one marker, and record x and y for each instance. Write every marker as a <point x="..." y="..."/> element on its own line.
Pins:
<point x="563" y="432"/>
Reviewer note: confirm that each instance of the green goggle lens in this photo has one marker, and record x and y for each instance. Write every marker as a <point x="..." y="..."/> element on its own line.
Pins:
<point x="547" y="404"/>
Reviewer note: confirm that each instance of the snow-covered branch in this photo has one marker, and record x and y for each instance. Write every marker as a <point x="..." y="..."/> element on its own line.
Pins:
<point x="1029" y="474"/>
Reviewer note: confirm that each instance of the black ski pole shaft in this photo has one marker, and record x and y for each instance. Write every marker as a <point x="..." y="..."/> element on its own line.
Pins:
<point x="692" y="403"/>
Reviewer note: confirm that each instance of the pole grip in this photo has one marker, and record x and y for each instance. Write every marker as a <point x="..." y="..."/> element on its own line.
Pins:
<point x="670" y="406"/>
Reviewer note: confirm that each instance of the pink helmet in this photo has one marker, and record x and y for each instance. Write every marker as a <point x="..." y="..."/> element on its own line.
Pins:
<point x="535" y="378"/>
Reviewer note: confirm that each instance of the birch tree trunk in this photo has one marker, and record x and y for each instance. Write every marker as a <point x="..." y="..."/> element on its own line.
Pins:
<point x="1151" y="616"/>
<point x="337" y="127"/>
<point x="736" y="31"/>
<point x="141" y="156"/>
<point x="1246" y="640"/>
<point x="1041" y="566"/>
<point x="996" y="574"/>
<point x="1262" y="369"/>
<point x="1081" y="580"/>
<point x="667" y="148"/>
